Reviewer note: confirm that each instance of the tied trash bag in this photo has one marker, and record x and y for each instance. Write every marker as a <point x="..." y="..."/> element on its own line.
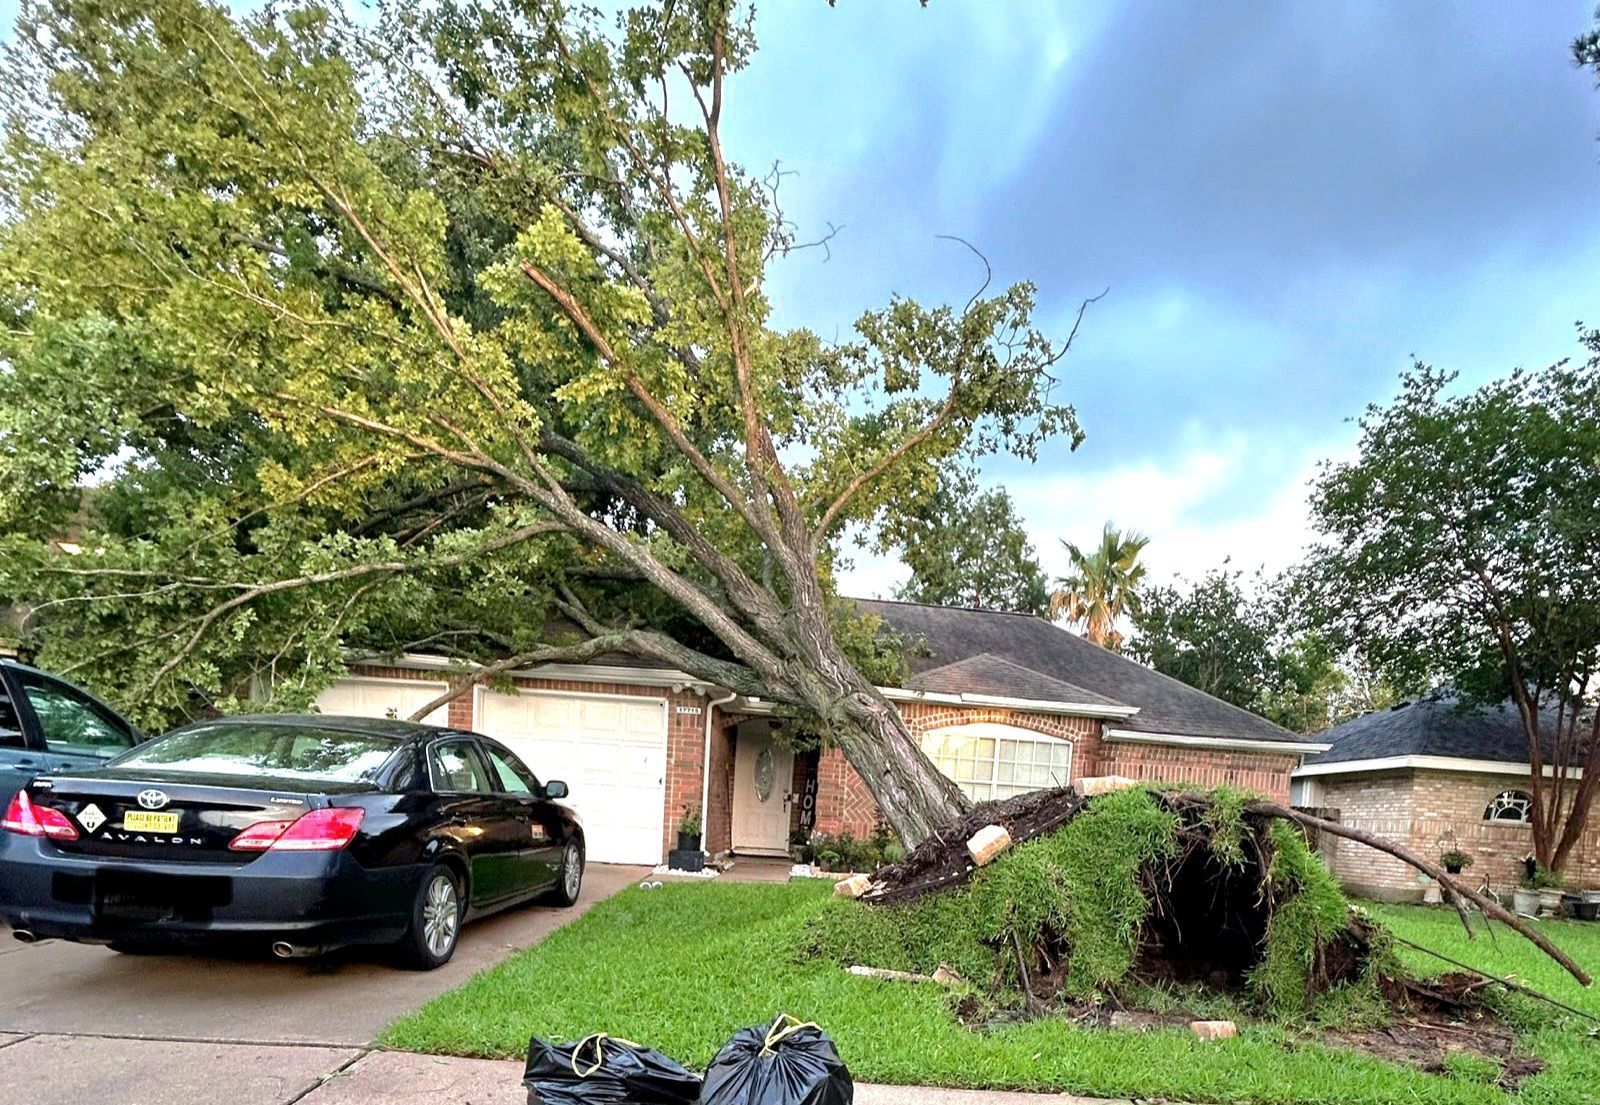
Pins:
<point x="603" y="1070"/>
<point x="784" y="1063"/>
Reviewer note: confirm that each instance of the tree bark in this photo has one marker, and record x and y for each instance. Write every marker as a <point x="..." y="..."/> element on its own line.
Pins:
<point x="915" y="796"/>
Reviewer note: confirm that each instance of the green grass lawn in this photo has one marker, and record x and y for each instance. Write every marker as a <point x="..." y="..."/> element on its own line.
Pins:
<point x="682" y="967"/>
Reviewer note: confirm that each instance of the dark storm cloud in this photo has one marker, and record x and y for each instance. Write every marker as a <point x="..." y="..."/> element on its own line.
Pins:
<point x="1246" y="145"/>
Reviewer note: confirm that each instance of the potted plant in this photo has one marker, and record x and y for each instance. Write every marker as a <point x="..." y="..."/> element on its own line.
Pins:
<point x="689" y="831"/>
<point x="1549" y="885"/>
<point x="1525" y="898"/>
<point x="1455" y="861"/>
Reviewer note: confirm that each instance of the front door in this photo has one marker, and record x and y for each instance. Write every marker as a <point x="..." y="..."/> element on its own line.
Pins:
<point x="763" y="773"/>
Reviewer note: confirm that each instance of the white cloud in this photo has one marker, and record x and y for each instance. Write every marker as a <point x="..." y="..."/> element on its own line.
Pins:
<point x="1192" y="507"/>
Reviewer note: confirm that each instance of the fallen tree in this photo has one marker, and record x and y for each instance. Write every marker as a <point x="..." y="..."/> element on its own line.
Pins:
<point x="1142" y="885"/>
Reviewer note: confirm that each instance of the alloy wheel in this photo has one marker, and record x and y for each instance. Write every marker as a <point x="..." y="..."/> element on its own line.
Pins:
<point x="441" y="915"/>
<point x="571" y="871"/>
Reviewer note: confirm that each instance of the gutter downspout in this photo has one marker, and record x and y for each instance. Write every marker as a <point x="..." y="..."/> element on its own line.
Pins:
<point x="705" y="773"/>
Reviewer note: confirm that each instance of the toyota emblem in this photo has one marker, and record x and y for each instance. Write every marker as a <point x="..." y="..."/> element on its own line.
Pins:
<point x="152" y="799"/>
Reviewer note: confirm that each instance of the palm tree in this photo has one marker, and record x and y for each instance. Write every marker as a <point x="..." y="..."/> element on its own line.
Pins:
<point x="1102" y="587"/>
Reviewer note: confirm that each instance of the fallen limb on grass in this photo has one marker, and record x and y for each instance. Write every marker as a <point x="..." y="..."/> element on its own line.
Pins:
<point x="944" y="976"/>
<point x="1493" y="980"/>
<point x="1459" y="891"/>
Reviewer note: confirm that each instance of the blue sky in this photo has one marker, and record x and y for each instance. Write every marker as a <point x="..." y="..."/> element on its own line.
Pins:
<point x="1286" y="201"/>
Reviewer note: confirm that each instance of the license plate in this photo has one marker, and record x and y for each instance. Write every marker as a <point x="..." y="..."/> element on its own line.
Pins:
<point x="143" y="821"/>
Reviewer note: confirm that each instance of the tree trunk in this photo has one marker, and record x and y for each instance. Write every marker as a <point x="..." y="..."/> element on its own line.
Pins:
<point x="915" y="796"/>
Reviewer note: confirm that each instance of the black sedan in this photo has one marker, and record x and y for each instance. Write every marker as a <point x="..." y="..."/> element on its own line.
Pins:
<point x="302" y="833"/>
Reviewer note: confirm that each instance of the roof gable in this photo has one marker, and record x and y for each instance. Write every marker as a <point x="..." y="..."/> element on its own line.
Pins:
<point x="1023" y="642"/>
<point x="988" y="674"/>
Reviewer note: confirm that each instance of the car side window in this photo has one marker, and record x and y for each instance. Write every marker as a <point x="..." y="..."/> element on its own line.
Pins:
<point x="514" y="778"/>
<point x="73" y="723"/>
<point x="10" y="723"/>
<point x="453" y="768"/>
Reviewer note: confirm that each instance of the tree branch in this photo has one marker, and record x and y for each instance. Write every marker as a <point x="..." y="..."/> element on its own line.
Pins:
<point x="355" y="571"/>
<point x="1490" y="907"/>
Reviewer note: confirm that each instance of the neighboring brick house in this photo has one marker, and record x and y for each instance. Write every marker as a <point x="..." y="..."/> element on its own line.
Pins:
<point x="1435" y="775"/>
<point x="1001" y="702"/>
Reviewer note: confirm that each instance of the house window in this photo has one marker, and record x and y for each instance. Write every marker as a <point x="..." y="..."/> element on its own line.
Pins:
<point x="1510" y="805"/>
<point x="987" y="760"/>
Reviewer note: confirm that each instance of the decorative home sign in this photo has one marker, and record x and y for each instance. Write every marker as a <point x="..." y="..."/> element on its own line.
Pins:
<point x="808" y="795"/>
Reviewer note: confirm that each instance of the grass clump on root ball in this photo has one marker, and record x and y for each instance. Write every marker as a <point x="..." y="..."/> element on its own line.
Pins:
<point x="1080" y="898"/>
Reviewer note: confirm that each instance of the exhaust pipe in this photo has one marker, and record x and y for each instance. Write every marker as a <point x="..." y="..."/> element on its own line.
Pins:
<point x="285" y="950"/>
<point x="25" y="935"/>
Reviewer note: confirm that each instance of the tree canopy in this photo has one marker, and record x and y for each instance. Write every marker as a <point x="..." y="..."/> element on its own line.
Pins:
<point x="448" y="329"/>
<point x="1246" y="642"/>
<point x="1462" y="547"/>
<point x="967" y="547"/>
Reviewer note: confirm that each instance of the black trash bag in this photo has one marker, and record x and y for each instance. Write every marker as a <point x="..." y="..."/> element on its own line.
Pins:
<point x="784" y="1063"/>
<point x="603" y="1070"/>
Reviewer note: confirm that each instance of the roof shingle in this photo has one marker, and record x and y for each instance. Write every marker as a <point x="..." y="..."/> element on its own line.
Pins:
<point x="1021" y="641"/>
<point x="1439" y="725"/>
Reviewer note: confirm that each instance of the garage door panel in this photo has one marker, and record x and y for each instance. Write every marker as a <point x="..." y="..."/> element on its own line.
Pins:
<point x="382" y="698"/>
<point x="612" y="752"/>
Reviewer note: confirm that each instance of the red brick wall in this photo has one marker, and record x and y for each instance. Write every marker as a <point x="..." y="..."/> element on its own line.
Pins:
<point x="843" y="802"/>
<point x="719" y="817"/>
<point x="1265" y="773"/>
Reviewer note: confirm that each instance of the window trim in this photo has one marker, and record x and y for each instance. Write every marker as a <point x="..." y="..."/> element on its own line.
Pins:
<point x="20" y="681"/>
<point x="997" y="731"/>
<point x="1513" y="793"/>
<point x="480" y="763"/>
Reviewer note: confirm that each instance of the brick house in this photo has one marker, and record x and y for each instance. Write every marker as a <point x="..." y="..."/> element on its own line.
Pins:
<point x="1001" y="702"/>
<point x="1437" y="776"/>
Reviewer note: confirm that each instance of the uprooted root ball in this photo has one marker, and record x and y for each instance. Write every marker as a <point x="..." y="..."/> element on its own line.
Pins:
<point x="1141" y="884"/>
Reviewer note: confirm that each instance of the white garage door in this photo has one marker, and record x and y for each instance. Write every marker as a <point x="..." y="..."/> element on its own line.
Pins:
<point x="612" y="752"/>
<point x="383" y="698"/>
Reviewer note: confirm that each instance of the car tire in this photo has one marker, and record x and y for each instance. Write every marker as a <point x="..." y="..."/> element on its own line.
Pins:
<point x="569" y="876"/>
<point x="435" y="920"/>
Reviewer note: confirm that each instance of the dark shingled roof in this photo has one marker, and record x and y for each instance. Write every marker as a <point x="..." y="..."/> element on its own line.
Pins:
<point x="989" y="674"/>
<point x="953" y="634"/>
<point x="1439" y="725"/>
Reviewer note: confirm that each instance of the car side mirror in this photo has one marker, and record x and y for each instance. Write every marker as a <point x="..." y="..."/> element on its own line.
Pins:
<point x="555" y="788"/>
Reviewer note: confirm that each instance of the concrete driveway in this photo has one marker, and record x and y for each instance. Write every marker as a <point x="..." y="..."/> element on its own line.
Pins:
<point x="57" y="987"/>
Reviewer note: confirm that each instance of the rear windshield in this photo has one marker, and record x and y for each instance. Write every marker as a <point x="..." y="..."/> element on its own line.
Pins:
<point x="281" y="751"/>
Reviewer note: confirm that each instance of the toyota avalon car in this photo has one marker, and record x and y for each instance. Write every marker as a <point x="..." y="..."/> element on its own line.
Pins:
<point x="299" y="833"/>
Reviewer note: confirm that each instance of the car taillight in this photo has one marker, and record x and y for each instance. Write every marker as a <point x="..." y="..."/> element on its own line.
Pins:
<point x="318" y="831"/>
<point x="22" y="816"/>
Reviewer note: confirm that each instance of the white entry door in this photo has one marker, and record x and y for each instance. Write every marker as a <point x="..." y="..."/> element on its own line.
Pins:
<point x="763" y="773"/>
<point x="611" y="750"/>
<point x="361" y="697"/>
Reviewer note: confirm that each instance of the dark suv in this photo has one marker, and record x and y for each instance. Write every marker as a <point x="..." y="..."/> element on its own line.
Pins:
<point x="48" y="725"/>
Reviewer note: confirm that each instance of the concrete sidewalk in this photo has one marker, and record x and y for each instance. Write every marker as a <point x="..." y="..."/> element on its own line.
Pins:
<point x="70" y="1070"/>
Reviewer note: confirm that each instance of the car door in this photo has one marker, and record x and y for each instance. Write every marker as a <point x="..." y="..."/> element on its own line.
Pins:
<point x="20" y="760"/>
<point x="76" y="731"/>
<point x="539" y="822"/>
<point x="480" y="820"/>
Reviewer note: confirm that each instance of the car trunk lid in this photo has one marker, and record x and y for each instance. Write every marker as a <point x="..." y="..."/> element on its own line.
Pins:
<point x="167" y="818"/>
